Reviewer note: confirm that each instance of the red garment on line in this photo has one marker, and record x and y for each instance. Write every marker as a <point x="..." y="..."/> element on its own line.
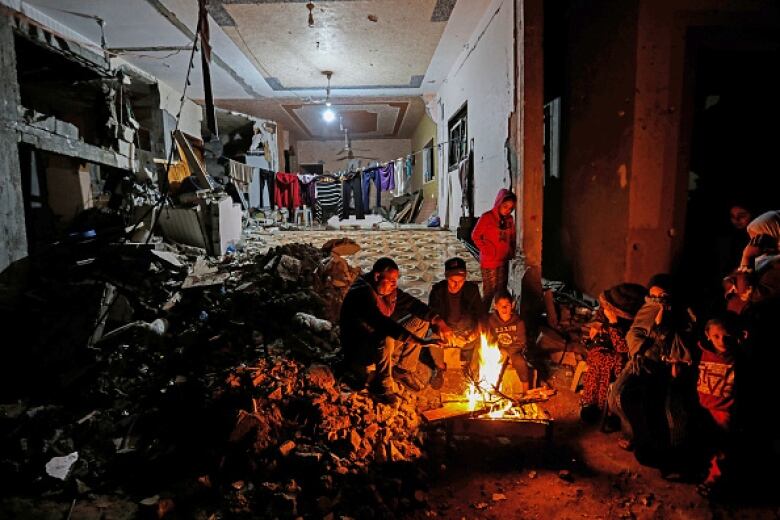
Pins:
<point x="287" y="192"/>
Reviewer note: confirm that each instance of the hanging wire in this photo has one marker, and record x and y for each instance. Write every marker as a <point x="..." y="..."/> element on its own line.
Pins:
<point x="164" y="198"/>
<point x="437" y="146"/>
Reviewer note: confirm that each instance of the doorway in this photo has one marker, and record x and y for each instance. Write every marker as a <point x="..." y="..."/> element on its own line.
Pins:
<point x="733" y="136"/>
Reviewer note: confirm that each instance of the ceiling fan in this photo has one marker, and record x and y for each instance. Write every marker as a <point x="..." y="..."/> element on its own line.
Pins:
<point x="349" y="151"/>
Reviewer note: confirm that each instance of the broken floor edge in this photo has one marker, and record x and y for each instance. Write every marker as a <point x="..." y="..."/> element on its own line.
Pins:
<point x="51" y="142"/>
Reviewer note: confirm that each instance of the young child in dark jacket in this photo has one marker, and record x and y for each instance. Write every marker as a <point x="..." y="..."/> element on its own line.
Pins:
<point x="506" y="328"/>
<point x="715" y="387"/>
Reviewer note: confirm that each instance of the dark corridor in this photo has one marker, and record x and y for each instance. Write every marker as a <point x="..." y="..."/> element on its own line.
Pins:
<point x="733" y="158"/>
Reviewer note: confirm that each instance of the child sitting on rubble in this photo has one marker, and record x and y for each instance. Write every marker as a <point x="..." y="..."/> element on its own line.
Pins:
<point x="715" y="387"/>
<point x="506" y="328"/>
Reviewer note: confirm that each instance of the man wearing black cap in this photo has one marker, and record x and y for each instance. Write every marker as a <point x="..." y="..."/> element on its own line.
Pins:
<point x="459" y="303"/>
<point x="383" y="325"/>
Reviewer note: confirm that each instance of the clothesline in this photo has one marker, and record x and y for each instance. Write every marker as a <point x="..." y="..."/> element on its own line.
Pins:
<point x="410" y="154"/>
<point x="377" y="165"/>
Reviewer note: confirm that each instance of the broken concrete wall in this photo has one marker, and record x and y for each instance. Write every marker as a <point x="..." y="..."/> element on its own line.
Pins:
<point x="191" y="114"/>
<point x="483" y="77"/>
<point x="144" y="94"/>
<point x="598" y="113"/>
<point x="37" y="15"/>
<point x="13" y="235"/>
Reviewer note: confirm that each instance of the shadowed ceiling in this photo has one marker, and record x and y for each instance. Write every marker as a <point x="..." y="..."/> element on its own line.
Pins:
<point x="267" y="61"/>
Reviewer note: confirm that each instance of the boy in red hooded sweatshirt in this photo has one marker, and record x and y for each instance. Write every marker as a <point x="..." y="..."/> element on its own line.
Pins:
<point x="494" y="236"/>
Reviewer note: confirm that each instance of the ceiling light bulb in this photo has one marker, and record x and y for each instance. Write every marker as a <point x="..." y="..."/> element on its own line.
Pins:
<point x="328" y="103"/>
<point x="329" y="116"/>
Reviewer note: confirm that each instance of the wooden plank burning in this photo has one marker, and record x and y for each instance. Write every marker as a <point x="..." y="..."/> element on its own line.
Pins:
<point x="451" y="411"/>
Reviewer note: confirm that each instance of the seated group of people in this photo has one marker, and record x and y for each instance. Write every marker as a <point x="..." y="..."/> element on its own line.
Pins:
<point x="384" y="326"/>
<point x="669" y="377"/>
<point x="652" y="365"/>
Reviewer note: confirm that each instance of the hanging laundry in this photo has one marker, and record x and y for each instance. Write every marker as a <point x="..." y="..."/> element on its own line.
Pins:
<point x="371" y="175"/>
<point x="352" y="189"/>
<point x="328" y="196"/>
<point x="399" y="177"/>
<point x="387" y="177"/>
<point x="241" y="173"/>
<point x="466" y="177"/>
<point x="287" y="193"/>
<point x="267" y="178"/>
<point x="308" y="188"/>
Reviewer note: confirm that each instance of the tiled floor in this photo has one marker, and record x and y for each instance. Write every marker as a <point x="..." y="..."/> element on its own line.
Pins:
<point x="420" y="253"/>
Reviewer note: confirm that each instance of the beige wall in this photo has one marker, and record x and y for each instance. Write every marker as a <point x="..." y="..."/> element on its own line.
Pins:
<point x="382" y="150"/>
<point x="423" y="134"/>
<point x="483" y="77"/>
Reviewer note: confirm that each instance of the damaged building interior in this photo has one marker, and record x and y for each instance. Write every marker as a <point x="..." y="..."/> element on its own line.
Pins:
<point x="389" y="259"/>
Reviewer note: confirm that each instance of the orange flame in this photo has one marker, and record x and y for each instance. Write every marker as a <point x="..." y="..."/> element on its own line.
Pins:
<point x="481" y="392"/>
<point x="490" y="361"/>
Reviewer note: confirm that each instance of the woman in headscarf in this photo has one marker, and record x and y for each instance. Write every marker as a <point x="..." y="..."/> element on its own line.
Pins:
<point x="609" y="351"/>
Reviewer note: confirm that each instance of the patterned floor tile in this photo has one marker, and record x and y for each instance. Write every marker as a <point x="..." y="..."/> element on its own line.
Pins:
<point x="419" y="253"/>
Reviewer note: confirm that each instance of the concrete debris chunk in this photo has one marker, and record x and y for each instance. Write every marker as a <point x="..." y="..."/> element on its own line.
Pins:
<point x="286" y="448"/>
<point x="312" y="322"/>
<point x="150" y="501"/>
<point x="288" y="268"/>
<point x="59" y="467"/>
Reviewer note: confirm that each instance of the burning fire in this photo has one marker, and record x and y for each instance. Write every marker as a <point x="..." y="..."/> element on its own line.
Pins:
<point x="484" y="390"/>
<point x="484" y="382"/>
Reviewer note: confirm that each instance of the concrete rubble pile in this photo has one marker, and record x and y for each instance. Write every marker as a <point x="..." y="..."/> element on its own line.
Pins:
<point x="305" y="444"/>
<point x="569" y="316"/>
<point x="164" y="382"/>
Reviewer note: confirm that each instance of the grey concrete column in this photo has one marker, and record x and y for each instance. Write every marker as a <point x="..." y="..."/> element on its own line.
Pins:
<point x="13" y="236"/>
